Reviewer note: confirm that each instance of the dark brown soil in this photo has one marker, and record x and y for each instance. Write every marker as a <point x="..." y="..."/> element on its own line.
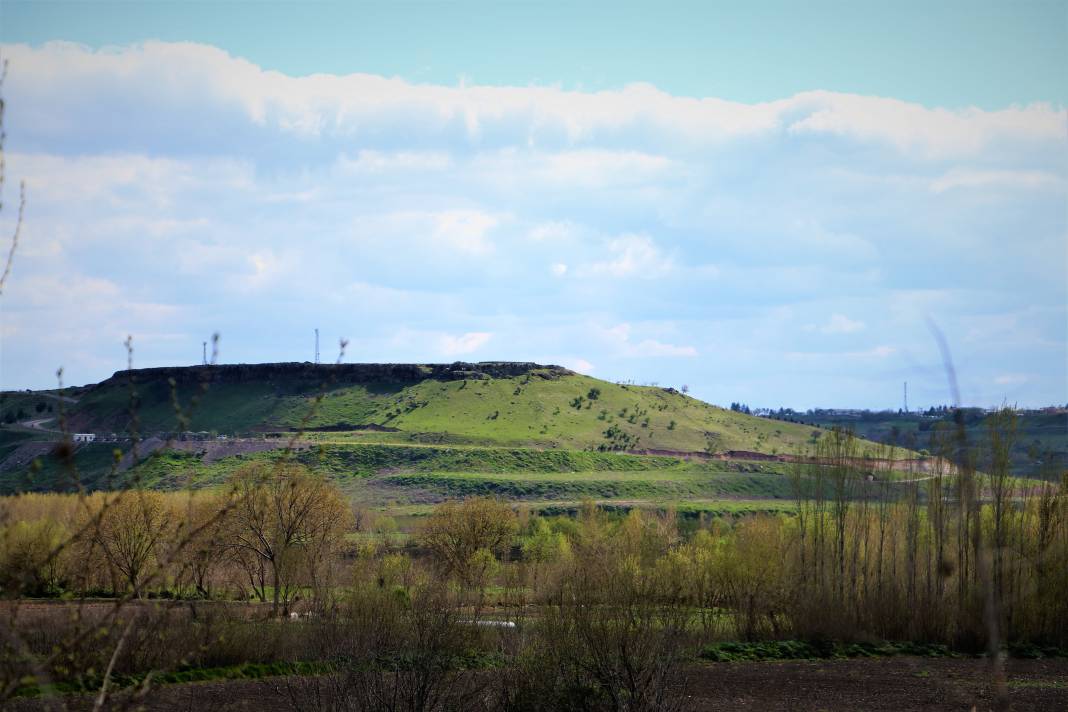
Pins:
<point x="881" y="684"/>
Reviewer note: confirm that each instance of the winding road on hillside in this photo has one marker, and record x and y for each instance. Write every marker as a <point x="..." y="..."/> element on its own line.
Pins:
<point x="38" y="424"/>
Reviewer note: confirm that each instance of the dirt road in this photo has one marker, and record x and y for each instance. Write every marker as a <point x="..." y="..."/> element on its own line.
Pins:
<point x="38" y="424"/>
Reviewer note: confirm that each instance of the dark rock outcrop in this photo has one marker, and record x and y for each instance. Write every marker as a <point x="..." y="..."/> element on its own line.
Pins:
<point x="336" y="374"/>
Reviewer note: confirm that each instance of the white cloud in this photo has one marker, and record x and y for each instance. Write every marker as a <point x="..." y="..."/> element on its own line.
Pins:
<point x="917" y="305"/>
<point x="620" y="336"/>
<point x="633" y="255"/>
<point x="68" y="291"/>
<point x="41" y="248"/>
<point x="208" y="191"/>
<point x="911" y="128"/>
<point x="882" y="351"/>
<point x="459" y="232"/>
<point x="652" y="347"/>
<point x="470" y="342"/>
<point x="551" y="231"/>
<point x="596" y="168"/>
<point x="807" y="235"/>
<point x="140" y="178"/>
<point x="577" y="364"/>
<point x="465" y="230"/>
<point x="1019" y="180"/>
<point x="876" y="352"/>
<point x="66" y="319"/>
<point x="263" y="268"/>
<point x="369" y="161"/>
<point x="841" y="324"/>
<point x="169" y="76"/>
<point x="1011" y="379"/>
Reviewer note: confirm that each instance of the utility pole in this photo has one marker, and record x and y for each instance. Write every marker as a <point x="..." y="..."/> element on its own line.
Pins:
<point x="317" y="346"/>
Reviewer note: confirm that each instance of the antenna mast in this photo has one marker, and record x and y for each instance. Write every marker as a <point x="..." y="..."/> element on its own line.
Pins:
<point x="204" y="348"/>
<point x="316" y="346"/>
<point x="906" y="396"/>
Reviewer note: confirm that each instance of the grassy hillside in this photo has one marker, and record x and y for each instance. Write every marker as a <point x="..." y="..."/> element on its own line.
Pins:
<point x="409" y="434"/>
<point x="479" y="404"/>
<point x="575" y="411"/>
<point x="384" y="473"/>
<point x="412" y="474"/>
<point x="10" y="439"/>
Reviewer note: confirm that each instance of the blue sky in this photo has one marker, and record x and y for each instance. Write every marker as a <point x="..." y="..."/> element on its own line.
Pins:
<point x="948" y="53"/>
<point x="770" y="205"/>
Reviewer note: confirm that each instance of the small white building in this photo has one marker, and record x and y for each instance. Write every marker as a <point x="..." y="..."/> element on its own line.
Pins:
<point x="84" y="437"/>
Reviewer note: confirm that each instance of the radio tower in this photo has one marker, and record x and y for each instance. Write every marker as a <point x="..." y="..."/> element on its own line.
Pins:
<point x="204" y="348"/>
<point x="316" y="346"/>
<point x="906" y="396"/>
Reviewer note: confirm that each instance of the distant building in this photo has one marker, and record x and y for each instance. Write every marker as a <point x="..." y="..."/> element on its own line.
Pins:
<point x="84" y="437"/>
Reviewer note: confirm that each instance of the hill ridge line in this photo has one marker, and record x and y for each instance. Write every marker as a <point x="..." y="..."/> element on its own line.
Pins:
<point x="346" y="372"/>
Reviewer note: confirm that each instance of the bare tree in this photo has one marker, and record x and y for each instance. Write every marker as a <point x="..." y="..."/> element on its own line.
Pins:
<point x="457" y="531"/>
<point x="283" y="517"/>
<point x="130" y="532"/>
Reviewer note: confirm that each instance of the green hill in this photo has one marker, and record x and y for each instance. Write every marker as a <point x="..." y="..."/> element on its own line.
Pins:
<point x="404" y="433"/>
<point x="511" y="404"/>
<point x="388" y="473"/>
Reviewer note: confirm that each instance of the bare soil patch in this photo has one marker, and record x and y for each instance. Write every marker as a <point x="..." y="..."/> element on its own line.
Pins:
<point x="217" y="450"/>
<point x="24" y="454"/>
<point x="883" y="684"/>
<point x="879" y="685"/>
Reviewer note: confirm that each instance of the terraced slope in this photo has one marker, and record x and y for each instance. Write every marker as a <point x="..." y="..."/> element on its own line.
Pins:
<point x="409" y="433"/>
<point x="403" y="476"/>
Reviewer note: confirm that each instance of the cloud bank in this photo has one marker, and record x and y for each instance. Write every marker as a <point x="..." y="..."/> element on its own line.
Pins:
<point x="176" y="190"/>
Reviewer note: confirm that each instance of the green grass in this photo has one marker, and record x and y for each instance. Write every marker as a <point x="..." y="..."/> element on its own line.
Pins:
<point x="12" y="438"/>
<point x="514" y="411"/>
<point x="638" y="485"/>
<point x="372" y="458"/>
<point x="546" y="435"/>
<point x="20" y="405"/>
<point x="689" y="509"/>
<point x="1039" y="684"/>
<point x="377" y="473"/>
<point x="245" y="671"/>
<point x="403" y="471"/>
<point x="225" y="408"/>
<point x="536" y="409"/>
<point x="469" y="660"/>
<point x="804" y="650"/>
<point x="171" y="470"/>
<point x="50" y="474"/>
<point x="380" y="473"/>
<point x="824" y="649"/>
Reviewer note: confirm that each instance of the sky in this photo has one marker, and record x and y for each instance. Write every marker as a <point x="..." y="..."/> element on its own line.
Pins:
<point x="772" y="203"/>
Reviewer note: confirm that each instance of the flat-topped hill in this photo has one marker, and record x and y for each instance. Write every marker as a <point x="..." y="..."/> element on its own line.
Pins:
<point x="485" y="403"/>
<point x="329" y="374"/>
<point x="524" y="406"/>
